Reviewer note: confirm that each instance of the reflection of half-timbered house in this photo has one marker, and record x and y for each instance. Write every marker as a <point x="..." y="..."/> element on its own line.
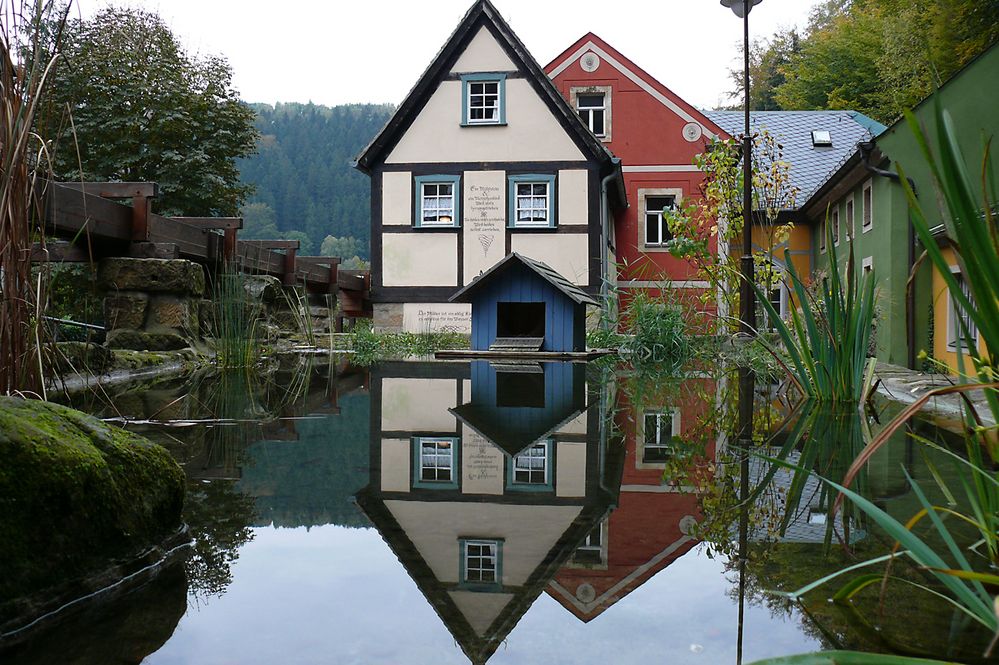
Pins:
<point x="483" y="158"/>
<point x="483" y="481"/>
<point x="651" y="526"/>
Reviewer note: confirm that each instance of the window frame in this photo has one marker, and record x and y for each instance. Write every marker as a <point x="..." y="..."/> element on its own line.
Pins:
<point x="607" y="92"/>
<point x="643" y="196"/>
<point x="834" y="220"/>
<point x="822" y="236"/>
<point x="478" y="585"/>
<point x="955" y="336"/>
<point x="850" y="208"/>
<point x="440" y="179"/>
<point x="417" y="448"/>
<point x="484" y="77"/>
<point x="674" y="416"/>
<point x="867" y="206"/>
<point x="511" y="468"/>
<point x="530" y="179"/>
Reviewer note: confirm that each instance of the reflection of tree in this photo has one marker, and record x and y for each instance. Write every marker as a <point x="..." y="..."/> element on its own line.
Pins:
<point x="219" y="518"/>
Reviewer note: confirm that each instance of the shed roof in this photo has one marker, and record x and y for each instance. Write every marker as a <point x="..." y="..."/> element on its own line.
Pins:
<point x="543" y="271"/>
<point x="810" y="165"/>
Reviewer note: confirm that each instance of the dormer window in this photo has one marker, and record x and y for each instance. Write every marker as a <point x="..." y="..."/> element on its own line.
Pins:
<point x="483" y="99"/>
<point x="821" y="138"/>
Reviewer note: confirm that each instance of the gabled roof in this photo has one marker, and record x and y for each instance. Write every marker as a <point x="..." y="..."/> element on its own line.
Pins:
<point x="638" y="76"/>
<point x="543" y="271"/>
<point x="481" y="13"/>
<point x="810" y="166"/>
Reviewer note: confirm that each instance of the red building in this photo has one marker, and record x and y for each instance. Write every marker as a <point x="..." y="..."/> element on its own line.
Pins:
<point x="650" y="527"/>
<point x="656" y="135"/>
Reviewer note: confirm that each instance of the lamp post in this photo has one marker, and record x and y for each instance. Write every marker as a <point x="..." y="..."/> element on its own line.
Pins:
<point x="747" y="317"/>
<point x="747" y="301"/>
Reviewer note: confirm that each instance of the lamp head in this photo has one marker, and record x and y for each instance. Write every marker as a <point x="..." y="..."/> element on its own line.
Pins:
<point x="740" y="7"/>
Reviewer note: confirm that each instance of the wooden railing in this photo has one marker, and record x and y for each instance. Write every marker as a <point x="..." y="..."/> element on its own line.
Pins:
<point x="90" y="225"/>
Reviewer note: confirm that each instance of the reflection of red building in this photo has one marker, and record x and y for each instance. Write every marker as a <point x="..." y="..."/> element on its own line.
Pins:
<point x="656" y="134"/>
<point x="649" y="528"/>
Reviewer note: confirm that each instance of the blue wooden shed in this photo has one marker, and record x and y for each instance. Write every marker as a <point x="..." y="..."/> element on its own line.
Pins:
<point x="522" y="304"/>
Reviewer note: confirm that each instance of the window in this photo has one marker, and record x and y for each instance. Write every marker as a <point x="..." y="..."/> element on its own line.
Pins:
<point x="867" y="265"/>
<point x="868" y="211"/>
<point x="435" y="462"/>
<point x="778" y="298"/>
<point x="958" y="335"/>
<point x="822" y="236"/>
<point x="657" y="232"/>
<point x="483" y="99"/>
<point x="531" y="469"/>
<point x="821" y="138"/>
<point x="593" y="550"/>
<point x="481" y="562"/>
<point x="658" y="437"/>
<point x="592" y="111"/>
<point x="531" y="201"/>
<point x="834" y="217"/>
<point x="851" y="227"/>
<point x="437" y="201"/>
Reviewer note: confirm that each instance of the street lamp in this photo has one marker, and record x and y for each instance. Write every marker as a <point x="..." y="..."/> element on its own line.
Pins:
<point x="747" y="300"/>
<point x="747" y="315"/>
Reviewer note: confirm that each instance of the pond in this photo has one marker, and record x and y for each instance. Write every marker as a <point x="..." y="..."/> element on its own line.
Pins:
<point x="456" y="512"/>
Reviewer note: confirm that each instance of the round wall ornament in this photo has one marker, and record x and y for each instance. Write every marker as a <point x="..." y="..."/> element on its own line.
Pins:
<point x="691" y="132"/>
<point x="589" y="62"/>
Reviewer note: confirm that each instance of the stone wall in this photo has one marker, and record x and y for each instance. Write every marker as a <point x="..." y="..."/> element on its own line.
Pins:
<point x="153" y="304"/>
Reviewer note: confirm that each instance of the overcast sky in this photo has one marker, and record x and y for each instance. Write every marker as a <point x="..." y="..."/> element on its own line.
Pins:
<point x="336" y="52"/>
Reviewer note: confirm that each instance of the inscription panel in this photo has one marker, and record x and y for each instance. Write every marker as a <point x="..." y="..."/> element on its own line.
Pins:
<point x="483" y="221"/>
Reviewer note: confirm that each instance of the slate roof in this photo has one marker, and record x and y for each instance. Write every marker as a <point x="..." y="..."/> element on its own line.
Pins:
<point x="810" y="166"/>
<point x="546" y="273"/>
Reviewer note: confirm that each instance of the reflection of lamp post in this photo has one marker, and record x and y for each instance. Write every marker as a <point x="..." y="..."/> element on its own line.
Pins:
<point x="747" y="316"/>
<point x="747" y="300"/>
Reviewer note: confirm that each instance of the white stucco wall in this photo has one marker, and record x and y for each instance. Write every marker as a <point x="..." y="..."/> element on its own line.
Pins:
<point x="419" y="259"/>
<point x="397" y="198"/>
<point x="483" y="54"/>
<point x="418" y="405"/>
<point x="567" y="253"/>
<point x="572" y="197"/>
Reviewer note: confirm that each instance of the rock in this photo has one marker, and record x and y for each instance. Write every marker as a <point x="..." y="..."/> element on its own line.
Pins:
<point x="263" y="289"/>
<point x="76" y="494"/>
<point x="137" y="340"/>
<point x="125" y="309"/>
<point x="176" y="276"/>
<point x="81" y="357"/>
<point x="206" y="317"/>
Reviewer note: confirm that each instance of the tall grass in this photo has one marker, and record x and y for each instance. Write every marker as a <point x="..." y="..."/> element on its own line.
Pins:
<point x="28" y="33"/>
<point x="236" y="320"/>
<point x="827" y="336"/>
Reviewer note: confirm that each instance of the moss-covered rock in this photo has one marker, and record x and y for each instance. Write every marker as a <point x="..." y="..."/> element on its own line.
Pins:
<point x="137" y="340"/>
<point x="76" y="493"/>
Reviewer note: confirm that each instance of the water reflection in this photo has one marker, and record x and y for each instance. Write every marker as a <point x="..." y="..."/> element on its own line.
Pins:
<point x="484" y="480"/>
<point x="493" y="506"/>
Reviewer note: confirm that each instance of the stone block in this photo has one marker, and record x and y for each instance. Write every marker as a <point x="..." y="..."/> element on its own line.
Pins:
<point x="175" y="276"/>
<point x="137" y="340"/>
<point x="125" y="309"/>
<point x="171" y="312"/>
<point x="263" y="289"/>
<point x="388" y="317"/>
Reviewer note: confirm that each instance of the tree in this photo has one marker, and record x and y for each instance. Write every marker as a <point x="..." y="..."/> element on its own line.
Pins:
<point x="767" y="60"/>
<point x="342" y="247"/>
<point x="141" y="109"/>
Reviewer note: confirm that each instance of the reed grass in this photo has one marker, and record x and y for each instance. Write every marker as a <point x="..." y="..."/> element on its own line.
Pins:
<point x="29" y="32"/>
<point x="827" y="336"/>
<point x="236" y="320"/>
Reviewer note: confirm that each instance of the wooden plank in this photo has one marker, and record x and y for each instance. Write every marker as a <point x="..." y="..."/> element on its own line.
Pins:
<point x="259" y="260"/>
<point x="70" y="212"/>
<point x="352" y="280"/>
<point x="59" y="252"/>
<point x="116" y="190"/>
<point x="191" y="240"/>
<point x="272" y="244"/>
<point x="153" y="250"/>
<point x="216" y="223"/>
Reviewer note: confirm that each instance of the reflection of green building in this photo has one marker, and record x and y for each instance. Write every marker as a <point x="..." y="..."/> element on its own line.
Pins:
<point x="868" y="211"/>
<point x="482" y="525"/>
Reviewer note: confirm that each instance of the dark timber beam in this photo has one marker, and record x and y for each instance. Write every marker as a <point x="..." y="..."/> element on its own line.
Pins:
<point x="116" y="190"/>
<point x="271" y="244"/>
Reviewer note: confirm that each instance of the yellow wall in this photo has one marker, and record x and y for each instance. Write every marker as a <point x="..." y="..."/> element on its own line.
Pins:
<point x="942" y="350"/>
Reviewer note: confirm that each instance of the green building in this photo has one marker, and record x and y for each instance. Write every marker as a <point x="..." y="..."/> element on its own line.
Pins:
<point x="864" y="204"/>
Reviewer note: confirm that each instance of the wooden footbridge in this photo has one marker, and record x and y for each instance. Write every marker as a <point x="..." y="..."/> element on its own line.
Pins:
<point x="85" y="222"/>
